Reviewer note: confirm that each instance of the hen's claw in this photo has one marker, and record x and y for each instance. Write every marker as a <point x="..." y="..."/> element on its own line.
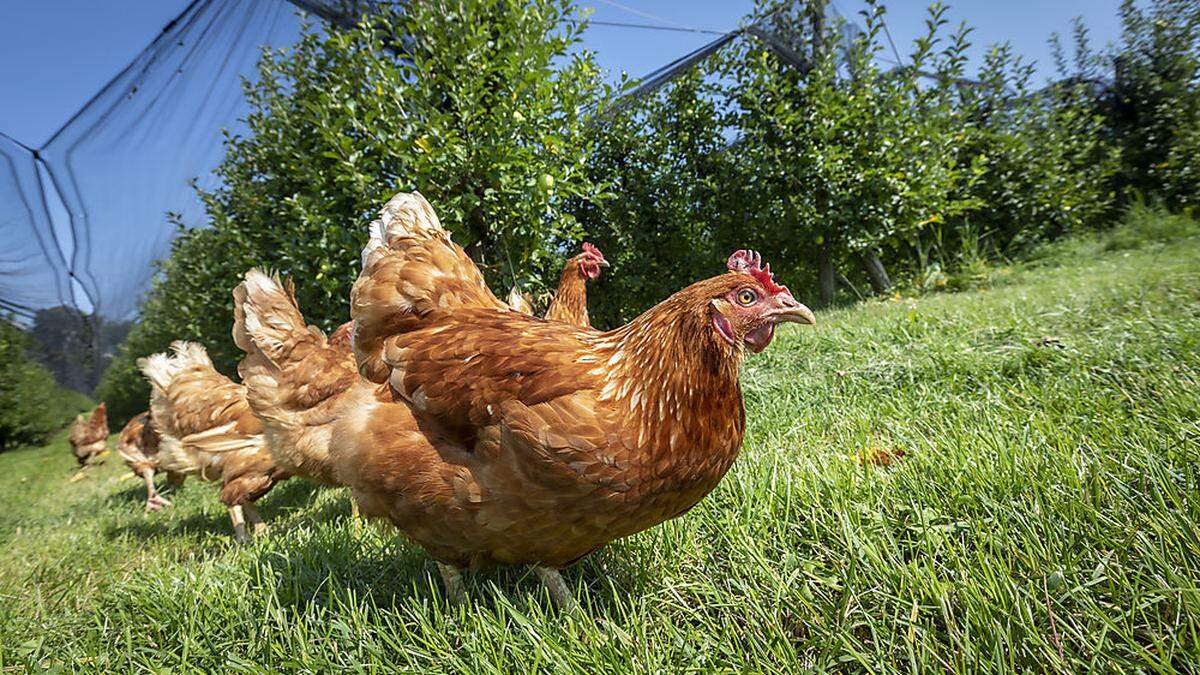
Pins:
<point x="156" y="503"/>
<point x="255" y="520"/>
<point x="559" y="592"/>
<point x="453" y="581"/>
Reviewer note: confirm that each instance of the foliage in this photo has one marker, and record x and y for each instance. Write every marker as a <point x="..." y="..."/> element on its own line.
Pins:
<point x="32" y="406"/>
<point x="1156" y="111"/>
<point x="672" y="215"/>
<point x="837" y="170"/>
<point x="1044" y="518"/>
<point x="1040" y="161"/>
<point x="479" y="104"/>
<point x="754" y="151"/>
<point x="75" y="347"/>
<point x="846" y="157"/>
<point x="1143" y="226"/>
<point x="191" y="300"/>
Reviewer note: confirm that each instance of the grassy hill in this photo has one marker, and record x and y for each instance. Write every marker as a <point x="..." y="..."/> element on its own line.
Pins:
<point x="1039" y="512"/>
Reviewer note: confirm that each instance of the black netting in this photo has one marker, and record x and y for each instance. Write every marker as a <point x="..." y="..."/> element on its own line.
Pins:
<point x="84" y="216"/>
<point x="33" y="271"/>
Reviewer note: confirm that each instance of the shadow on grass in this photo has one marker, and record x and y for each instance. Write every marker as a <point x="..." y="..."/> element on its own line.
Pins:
<point x="291" y="495"/>
<point x="333" y="563"/>
<point x="347" y="561"/>
<point x="166" y="525"/>
<point x="134" y="494"/>
<point x="288" y="497"/>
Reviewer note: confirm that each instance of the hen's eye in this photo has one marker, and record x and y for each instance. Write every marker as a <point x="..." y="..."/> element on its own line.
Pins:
<point x="747" y="296"/>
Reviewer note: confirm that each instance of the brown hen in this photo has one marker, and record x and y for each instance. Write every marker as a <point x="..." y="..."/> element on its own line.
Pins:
<point x="89" y="436"/>
<point x="570" y="298"/>
<point x="295" y="377"/>
<point x="569" y="304"/>
<point x="208" y="430"/>
<point x="138" y="446"/>
<point x="496" y="437"/>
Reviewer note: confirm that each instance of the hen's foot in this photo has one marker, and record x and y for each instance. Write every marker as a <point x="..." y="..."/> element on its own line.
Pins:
<point x="239" y="525"/>
<point x="156" y="503"/>
<point x="255" y="519"/>
<point x="453" y="581"/>
<point x="559" y="592"/>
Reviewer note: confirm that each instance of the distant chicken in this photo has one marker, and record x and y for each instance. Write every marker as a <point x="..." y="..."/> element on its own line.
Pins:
<point x="138" y="446"/>
<point x="208" y="430"/>
<point x="570" y="300"/>
<point x="495" y="437"/>
<point x="569" y="304"/>
<point x="89" y="436"/>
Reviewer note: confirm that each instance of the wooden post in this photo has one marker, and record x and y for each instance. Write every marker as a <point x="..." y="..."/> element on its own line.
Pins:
<point x="828" y="276"/>
<point x="880" y="281"/>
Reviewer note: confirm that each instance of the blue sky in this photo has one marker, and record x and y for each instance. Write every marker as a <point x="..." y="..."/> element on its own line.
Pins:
<point x="54" y="54"/>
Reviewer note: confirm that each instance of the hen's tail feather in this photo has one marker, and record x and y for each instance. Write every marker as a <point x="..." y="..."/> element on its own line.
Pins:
<point x="519" y="302"/>
<point x="267" y="318"/>
<point x="172" y="457"/>
<point x="224" y="438"/>
<point x="161" y="369"/>
<point x="190" y="454"/>
<point x="406" y="214"/>
<point x="131" y="453"/>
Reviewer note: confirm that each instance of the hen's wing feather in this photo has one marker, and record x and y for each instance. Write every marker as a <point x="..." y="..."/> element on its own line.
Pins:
<point x="411" y="269"/>
<point x="461" y="366"/>
<point x="522" y="391"/>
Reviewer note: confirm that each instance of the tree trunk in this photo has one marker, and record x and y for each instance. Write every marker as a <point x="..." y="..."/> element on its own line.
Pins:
<point x="816" y="17"/>
<point x="828" y="276"/>
<point x="876" y="272"/>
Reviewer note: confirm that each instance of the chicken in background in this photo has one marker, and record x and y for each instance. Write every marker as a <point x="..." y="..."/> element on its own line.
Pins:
<point x="569" y="304"/>
<point x="495" y="437"/>
<point x="89" y="436"/>
<point x="208" y="430"/>
<point x="138" y="446"/>
<point x="570" y="300"/>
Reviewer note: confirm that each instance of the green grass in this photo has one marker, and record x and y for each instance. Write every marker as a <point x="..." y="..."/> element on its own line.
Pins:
<point x="1044" y="517"/>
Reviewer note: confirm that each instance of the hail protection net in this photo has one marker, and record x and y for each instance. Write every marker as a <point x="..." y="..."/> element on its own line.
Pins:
<point x="84" y="216"/>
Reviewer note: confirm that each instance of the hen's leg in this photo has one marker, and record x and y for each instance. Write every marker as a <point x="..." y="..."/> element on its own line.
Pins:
<point x="559" y="592"/>
<point x="154" y="501"/>
<point x="175" y="480"/>
<point x="239" y="525"/>
<point x="453" y="581"/>
<point x="255" y="519"/>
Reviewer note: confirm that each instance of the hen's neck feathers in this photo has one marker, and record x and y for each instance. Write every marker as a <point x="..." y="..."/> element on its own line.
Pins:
<point x="570" y="298"/>
<point x="672" y="375"/>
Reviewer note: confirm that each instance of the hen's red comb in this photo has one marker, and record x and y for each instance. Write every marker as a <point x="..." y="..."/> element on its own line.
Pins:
<point x="590" y="248"/>
<point x="750" y="262"/>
